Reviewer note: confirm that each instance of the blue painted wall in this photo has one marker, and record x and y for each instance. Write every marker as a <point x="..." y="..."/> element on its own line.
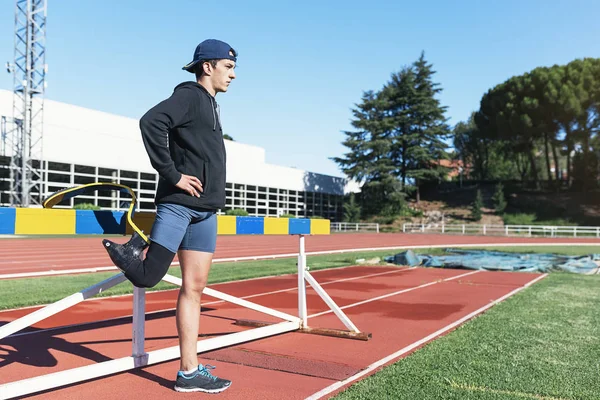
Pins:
<point x="100" y="222"/>
<point x="7" y="221"/>
<point x="250" y="225"/>
<point x="299" y="226"/>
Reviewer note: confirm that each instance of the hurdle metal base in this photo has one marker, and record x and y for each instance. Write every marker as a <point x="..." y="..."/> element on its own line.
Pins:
<point x="365" y="336"/>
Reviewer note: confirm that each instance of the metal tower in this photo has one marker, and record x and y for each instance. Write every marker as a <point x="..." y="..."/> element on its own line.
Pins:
<point x="26" y="131"/>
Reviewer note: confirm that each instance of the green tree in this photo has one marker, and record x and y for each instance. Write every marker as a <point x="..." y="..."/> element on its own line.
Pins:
<point x="398" y="141"/>
<point x="227" y="137"/>
<point x="484" y="158"/>
<point x="476" y="212"/>
<point x="398" y="97"/>
<point x="430" y="123"/>
<point x="368" y="159"/>
<point x="351" y="209"/>
<point x="549" y="111"/>
<point x="585" y="171"/>
<point x="417" y="125"/>
<point x="499" y="199"/>
<point x="504" y="116"/>
<point x="575" y="102"/>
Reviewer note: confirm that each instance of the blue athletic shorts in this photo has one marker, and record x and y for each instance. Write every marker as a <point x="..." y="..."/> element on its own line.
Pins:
<point x="177" y="227"/>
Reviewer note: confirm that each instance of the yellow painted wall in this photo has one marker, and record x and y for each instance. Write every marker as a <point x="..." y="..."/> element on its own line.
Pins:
<point x="40" y="221"/>
<point x="277" y="226"/>
<point x="320" y="226"/>
<point x="226" y="225"/>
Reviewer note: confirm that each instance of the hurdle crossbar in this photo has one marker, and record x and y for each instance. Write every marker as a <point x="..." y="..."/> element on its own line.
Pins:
<point x="139" y="357"/>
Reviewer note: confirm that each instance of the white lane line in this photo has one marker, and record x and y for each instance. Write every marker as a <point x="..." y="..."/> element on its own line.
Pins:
<point x="395" y="293"/>
<point x="399" y="268"/>
<point x="322" y="284"/>
<point x="203" y="304"/>
<point x="340" y="384"/>
<point x="288" y="255"/>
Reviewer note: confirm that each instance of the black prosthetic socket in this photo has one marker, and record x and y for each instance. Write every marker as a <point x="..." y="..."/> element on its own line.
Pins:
<point x="124" y="254"/>
<point x="152" y="269"/>
<point x="128" y="258"/>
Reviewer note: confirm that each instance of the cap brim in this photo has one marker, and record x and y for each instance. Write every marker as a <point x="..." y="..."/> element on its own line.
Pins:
<point x="190" y="66"/>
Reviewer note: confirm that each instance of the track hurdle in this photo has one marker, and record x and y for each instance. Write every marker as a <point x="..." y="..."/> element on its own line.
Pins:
<point x="140" y="358"/>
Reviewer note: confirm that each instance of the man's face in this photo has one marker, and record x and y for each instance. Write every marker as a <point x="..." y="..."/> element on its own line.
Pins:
<point x="222" y="75"/>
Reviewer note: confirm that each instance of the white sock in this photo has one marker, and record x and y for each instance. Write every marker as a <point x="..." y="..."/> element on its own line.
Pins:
<point x="191" y="371"/>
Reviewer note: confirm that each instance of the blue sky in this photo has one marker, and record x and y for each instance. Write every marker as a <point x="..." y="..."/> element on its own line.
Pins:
<point x="302" y="65"/>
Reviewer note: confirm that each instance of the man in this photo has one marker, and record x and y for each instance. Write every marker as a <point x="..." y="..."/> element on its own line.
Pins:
<point x="184" y="141"/>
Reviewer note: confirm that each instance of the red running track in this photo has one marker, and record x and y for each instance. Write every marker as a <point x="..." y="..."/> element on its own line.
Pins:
<point x="401" y="307"/>
<point x="40" y="255"/>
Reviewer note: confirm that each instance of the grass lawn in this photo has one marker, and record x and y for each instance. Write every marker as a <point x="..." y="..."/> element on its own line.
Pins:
<point x="543" y="343"/>
<point x="43" y="290"/>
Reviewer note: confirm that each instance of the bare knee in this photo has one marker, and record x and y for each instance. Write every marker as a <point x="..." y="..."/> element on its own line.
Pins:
<point x="194" y="288"/>
<point x="194" y="272"/>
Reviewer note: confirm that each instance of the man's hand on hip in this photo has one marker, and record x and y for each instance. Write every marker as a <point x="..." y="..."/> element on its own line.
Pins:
<point x="190" y="184"/>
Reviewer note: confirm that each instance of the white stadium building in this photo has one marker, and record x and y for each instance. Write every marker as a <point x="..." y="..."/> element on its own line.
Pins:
<point x="83" y="146"/>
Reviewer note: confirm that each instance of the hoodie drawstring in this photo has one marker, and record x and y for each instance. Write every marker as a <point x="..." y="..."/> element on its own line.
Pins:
<point x="218" y="116"/>
<point x="212" y="106"/>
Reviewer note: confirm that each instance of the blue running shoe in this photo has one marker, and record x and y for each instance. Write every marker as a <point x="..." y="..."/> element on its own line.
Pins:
<point x="201" y="380"/>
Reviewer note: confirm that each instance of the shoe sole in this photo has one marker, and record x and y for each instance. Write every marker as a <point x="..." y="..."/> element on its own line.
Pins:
<point x="189" y="390"/>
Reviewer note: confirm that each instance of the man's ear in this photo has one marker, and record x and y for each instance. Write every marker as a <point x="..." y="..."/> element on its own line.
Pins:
<point x="207" y="68"/>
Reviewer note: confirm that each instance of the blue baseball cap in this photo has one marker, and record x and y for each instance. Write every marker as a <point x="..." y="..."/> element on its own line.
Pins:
<point x="211" y="49"/>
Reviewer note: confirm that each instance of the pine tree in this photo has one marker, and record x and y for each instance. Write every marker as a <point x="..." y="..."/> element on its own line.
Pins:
<point x="398" y="96"/>
<point x="416" y="122"/>
<point x="398" y="139"/>
<point x="367" y="160"/>
<point x="430" y="124"/>
<point x="476" y="212"/>
<point x="498" y="199"/>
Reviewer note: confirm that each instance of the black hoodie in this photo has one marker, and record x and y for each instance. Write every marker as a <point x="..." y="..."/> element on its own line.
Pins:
<point x="183" y="134"/>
